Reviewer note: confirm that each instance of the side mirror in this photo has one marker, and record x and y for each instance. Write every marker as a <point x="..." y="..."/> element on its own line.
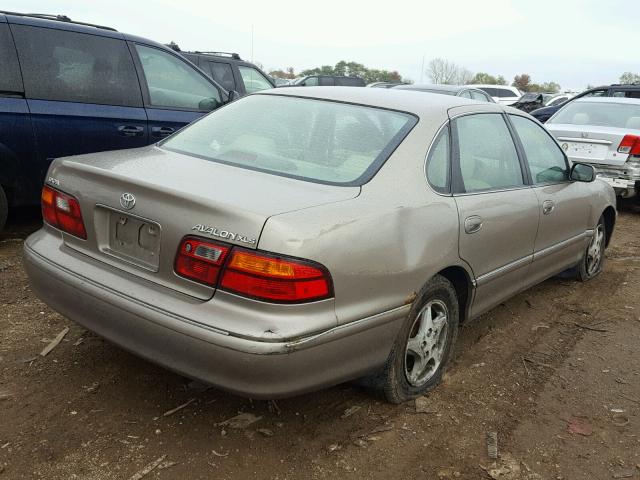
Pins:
<point x="208" y="104"/>
<point x="582" y="172"/>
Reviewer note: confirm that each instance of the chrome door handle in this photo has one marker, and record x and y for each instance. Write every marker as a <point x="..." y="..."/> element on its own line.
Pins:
<point x="547" y="207"/>
<point x="472" y="224"/>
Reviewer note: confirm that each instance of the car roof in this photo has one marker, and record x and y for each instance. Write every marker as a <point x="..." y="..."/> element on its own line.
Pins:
<point x="415" y="102"/>
<point x="478" y="85"/>
<point x="623" y="100"/>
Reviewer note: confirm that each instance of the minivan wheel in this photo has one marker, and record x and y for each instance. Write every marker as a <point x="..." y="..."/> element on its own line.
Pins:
<point x="4" y="208"/>
<point x="425" y="343"/>
<point x="592" y="261"/>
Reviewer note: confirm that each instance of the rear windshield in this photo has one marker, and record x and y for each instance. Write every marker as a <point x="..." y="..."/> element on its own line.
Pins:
<point x="314" y="140"/>
<point x="620" y="115"/>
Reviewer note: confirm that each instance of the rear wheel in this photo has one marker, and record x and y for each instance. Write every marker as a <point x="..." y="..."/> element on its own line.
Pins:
<point x="592" y="262"/>
<point x="4" y="208"/>
<point x="425" y="343"/>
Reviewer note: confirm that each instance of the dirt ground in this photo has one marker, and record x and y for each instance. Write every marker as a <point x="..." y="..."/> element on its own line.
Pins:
<point x="554" y="372"/>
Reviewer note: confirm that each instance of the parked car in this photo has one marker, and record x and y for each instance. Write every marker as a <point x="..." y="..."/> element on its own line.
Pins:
<point x="281" y="82"/>
<point x="328" y="81"/>
<point x="623" y="91"/>
<point x="265" y="248"/>
<point x="68" y="88"/>
<point x="456" y="90"/>
<point x="502" y="94"/>
<point x="605" y="133"/>
<point x="229" y="70"/>
<point x="531" y="101"/>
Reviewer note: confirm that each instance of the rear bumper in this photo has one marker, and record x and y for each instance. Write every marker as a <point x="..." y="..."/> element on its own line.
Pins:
<point x="625" y="180"/>
<point x="249" y="367"/>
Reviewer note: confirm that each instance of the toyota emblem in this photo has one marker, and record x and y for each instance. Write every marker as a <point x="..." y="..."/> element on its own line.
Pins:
<point x="128" y="201"/>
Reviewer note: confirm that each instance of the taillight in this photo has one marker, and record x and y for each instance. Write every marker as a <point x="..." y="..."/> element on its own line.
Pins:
<point x="63" y="212"/>
<point x="201" y="260"/>
<point x="274" y="278"/>
<point x="630" y="145"/>
<point x="253" y="274"/>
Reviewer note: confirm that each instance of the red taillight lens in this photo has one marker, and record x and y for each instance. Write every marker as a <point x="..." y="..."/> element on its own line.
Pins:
<point x="200" y="260"/>
<point x="274" y="278"/>
<point x="63" y="212"/>
<point x="630" y="145"/>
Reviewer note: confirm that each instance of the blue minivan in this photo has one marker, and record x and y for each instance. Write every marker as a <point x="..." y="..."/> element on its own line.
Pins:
<point x="68" y="88"/>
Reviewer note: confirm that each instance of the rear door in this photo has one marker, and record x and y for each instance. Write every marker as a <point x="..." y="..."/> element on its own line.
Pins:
<point x="497" y="209"/>
<point x="17" y="145"/>
<point x="564" y="205"/>
<point x="82" y="92"/>
<point x="222" y="72"/>
<point x="175" y="92"/>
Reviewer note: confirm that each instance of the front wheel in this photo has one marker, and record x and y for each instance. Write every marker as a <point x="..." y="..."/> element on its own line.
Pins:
<point x="425" y="343"/>
<point x="592" y="261"/>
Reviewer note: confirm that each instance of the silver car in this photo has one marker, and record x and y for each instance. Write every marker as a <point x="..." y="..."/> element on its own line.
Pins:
<point x="604" y="132"/>
<point x="295" y="239"/>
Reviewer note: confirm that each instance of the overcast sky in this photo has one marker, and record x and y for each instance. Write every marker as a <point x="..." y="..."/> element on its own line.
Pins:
<point x="572" y="42"/>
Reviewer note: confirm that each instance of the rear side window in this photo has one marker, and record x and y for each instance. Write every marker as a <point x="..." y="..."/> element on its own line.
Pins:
<point x="438" y="163"/>
<point x="10" y="79"/>
<point x="505" y="93"/>
<point x="604" y="114"/>
<point x="627" y="94"/>
<point x="546" y="161"/>
<point x="349" y="82"/>
<point x="173" y="83"/>
<point x="76" y="67"/>
<point x="326" y="82"/>
<point x="222" y="73"/>
<point x="253" y="80"/>
<point x="308" y="139"/>
<point x="487" y="156"/>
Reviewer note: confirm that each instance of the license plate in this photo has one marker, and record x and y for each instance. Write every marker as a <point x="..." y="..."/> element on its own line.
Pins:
<point x="614" y="182"/>
<point x="134" y="239"/>
<point x="585" y="150"/>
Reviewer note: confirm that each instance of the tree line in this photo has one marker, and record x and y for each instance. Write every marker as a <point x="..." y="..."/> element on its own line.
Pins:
<point x="343" y="68"/>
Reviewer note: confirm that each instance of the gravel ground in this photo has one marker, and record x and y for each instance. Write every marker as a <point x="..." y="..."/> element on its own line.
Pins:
<point x="553" y="372"/>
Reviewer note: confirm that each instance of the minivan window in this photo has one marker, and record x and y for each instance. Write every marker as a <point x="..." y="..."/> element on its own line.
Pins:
<point x="76" y="67"/>
<point x="10" y="79"/>
<point x="546" y="161"/>
<point x="253" y="80"/>
<point x="487" y="156"/>
<point x="438" y="163"/>
<point x="326" y="82"/>
<point x="308" y="139"/>
<point x="222" y="73"/>
<point x="173" y="83"/>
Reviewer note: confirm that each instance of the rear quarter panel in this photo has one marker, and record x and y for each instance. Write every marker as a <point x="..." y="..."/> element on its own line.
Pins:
<point x="382" y="246"/>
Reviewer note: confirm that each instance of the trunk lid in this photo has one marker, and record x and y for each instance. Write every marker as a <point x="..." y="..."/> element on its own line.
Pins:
<point x="592" y="144"/>
<point x="175" y="195"/>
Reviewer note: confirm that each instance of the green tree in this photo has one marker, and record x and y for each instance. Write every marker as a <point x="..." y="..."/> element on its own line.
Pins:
<point x="628" y="78"/>
<point x="522" y="82"/>
<point x="355" y="69"/>
<point x="482" y="78"/>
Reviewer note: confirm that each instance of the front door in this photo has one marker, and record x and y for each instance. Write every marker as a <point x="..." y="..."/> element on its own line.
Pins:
<point x="175" y="92"/>
<point x="497" y="209"/>
<point x="564" y="205"/>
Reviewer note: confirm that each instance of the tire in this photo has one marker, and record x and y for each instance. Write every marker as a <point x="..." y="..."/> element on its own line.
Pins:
<point x="4" y="208"/>
<point x="592" y="261"/>
<point x="408" y="375"/>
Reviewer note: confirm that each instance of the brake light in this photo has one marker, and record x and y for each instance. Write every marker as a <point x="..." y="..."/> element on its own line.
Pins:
<point x="630" y="145"/>
<point x="62" y="211"/>
<point x="201" y="260"/>
<point x="274" y="278"/>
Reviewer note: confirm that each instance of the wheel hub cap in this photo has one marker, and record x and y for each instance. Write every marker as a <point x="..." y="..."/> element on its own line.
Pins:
<point x="426" y="344"/>
<point x="594" y="252"/>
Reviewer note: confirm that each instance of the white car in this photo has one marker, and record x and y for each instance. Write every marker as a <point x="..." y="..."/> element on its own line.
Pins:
<point x="558" y="99"/>
<point x="502" y="94"/>
<point x="604" y="132"/>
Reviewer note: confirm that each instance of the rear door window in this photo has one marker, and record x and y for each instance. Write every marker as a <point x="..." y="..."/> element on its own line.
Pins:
<point x="174" y="83"/>
<point x="76" y="67"/>
<point x="253" y="80"/>
<point x="326" y="82"/>
<point x="10" y="79"/>
<point x="627" y="93"/>
<point x="546" y="161"/>
<point x="487" y="157"/>
<point x="349" y="82"/>
<point x="223" y="74"/>
<point x="465" y="94"/>
<point x="438" y="163"/>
